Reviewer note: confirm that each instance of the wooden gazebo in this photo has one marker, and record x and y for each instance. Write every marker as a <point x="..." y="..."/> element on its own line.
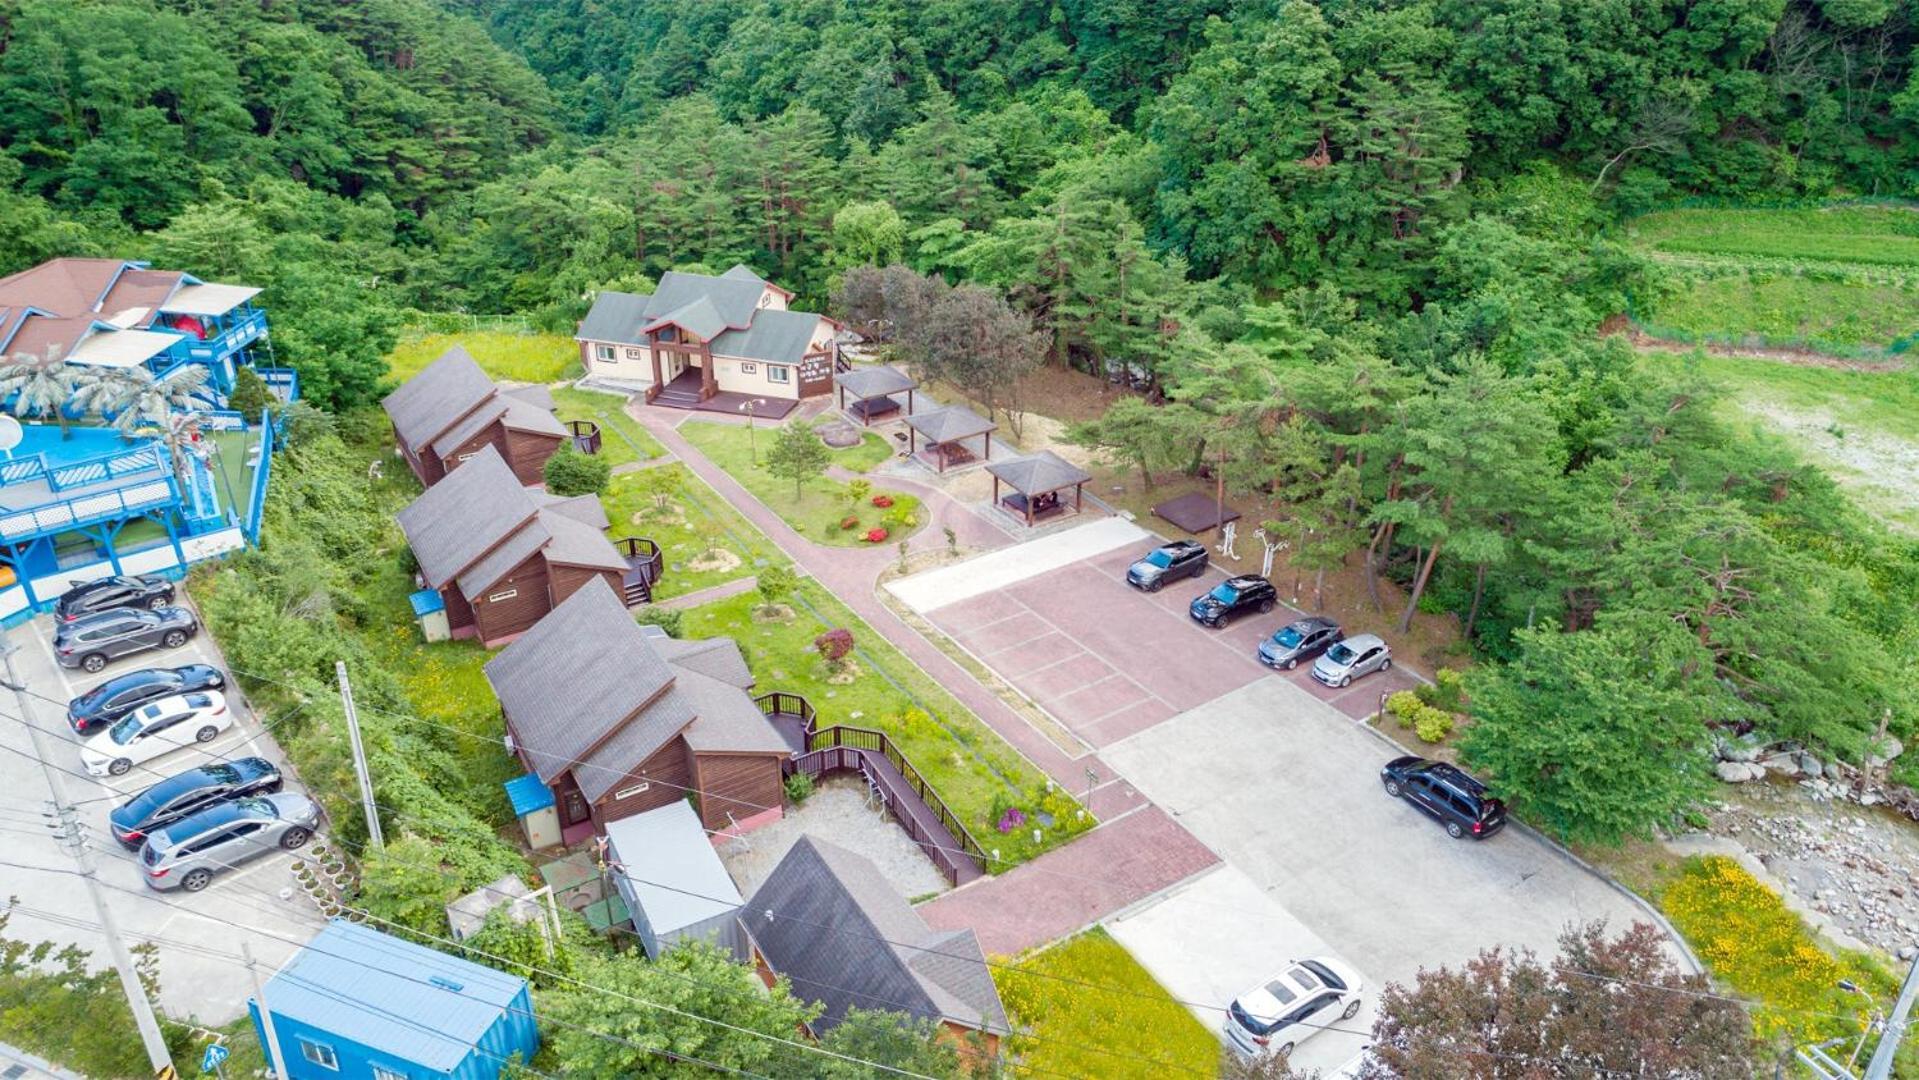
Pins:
<point x="872" y="390"/>
<point x="945" y="432"/>
<point x="1037" y="481"/>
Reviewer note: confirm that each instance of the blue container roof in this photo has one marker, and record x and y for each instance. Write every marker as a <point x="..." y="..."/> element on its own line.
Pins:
<point x="426" y="602"/>
<point x="528" y="794"/>
<point x="391" y="996"/>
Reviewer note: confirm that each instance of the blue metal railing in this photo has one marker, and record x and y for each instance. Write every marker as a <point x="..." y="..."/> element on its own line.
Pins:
<point x="84" y="510"/>
<point x="257" y="505"/>
<point x="222" y="420"/>
<point x="243" y="331"/>
<point x="283" y="381"/>
<point x="93" y="470"/>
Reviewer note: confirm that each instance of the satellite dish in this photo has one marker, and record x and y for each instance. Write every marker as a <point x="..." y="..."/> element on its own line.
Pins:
<point x="10" y="433"/>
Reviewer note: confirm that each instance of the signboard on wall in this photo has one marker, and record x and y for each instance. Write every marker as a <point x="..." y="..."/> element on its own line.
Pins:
<point x="816" y="374"/>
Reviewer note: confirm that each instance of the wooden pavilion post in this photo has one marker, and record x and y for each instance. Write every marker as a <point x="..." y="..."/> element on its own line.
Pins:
<point x="1079" y="498"/>
<point x="709" y="379"/>
<point x="909" y="401"/>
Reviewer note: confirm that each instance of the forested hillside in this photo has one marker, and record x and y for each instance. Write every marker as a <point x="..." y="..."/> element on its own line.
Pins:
<point x="1359" y="248"/>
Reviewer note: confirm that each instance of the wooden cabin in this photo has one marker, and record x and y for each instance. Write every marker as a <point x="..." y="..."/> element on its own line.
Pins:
<point x="451" y="410"/>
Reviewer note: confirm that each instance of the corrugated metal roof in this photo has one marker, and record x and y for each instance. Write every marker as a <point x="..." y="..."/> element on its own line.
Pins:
<point x="669" y="868"/>
<point x="416" y="1004"/>
<point x="528" y="794"/>
<point x="121" y="348"/>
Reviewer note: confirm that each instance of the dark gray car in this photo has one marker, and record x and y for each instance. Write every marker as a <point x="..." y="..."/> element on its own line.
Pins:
<point x="91" y="641"/>
<point x="1299" y="640"/>
<point x="186" y="854"/>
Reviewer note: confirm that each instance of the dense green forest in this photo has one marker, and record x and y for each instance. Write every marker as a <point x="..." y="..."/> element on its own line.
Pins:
<point x="1357" y="249"/>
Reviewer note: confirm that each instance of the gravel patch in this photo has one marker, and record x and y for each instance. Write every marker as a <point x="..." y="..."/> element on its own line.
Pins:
<point x="837" y="813"/>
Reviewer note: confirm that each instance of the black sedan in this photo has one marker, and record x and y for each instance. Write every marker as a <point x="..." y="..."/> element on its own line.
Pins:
<point x="1167" y="562"/>
<point x="1232" y="598"/>
<point x="145" y="590"/>
<point x="185" y="794"/>
<point x="1296" y="641"/>
<point x="120" y="695"/>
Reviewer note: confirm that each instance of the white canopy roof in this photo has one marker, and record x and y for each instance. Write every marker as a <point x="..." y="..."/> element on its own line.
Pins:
<point x="669" y="847"/>
<point x="121" y="348"/>
<point x="209" y="299"/>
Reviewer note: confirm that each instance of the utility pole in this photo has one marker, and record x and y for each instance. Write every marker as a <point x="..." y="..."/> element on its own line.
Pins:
<point x="74" y="839"/>
<point x="274" y="1057"/>
<point x="359" y="758"/>
<point x="1880" y="1066"/>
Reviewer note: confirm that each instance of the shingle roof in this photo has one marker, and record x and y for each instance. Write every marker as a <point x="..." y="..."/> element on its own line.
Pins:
<point x="829" y="922"/>
<point x="733" y="299"/>
<point x="429" y="403"/>
<point x="533" y="394"/>
<point x="458" y="520"/>
<point x="699" y="317"/>
<point x="1037" y="474"/>
<point x="951" y="423"/>
<point x="579" y="543"/>
<point x="524" y="415"/>
<point x="777" y="337"/>
<point x="616" y="316"/>
<point x="587" y="667"/>
<point x="587" y="508"/>
<point x="870" y="382"/>
<point x="392" y="996"/>
<point x="483" y="415"/>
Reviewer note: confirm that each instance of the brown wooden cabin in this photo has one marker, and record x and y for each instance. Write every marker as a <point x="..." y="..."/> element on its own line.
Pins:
<point x="451" y="410"/>
<point x="501" y="554"/>
<point x="618" y="719"/>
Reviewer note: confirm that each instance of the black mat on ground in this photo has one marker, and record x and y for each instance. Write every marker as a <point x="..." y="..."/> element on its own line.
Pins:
<point x="1194" y="513"/>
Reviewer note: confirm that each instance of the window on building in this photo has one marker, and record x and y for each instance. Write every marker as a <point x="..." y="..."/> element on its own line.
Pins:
<point x="381" y="1072"/>
<point x="779" y="374"/>
<point x="636" y="354"/>
<point x="605" y="352"/>
<point x="748" y="369"/>
<point x="319" y="1054"/>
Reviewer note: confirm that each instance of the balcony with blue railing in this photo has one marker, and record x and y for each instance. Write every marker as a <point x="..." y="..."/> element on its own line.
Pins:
<point x="232" y="332"/>
<point x="52" y="483"/>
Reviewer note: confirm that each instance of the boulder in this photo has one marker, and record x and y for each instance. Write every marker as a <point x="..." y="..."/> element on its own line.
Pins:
<point x="1786" y="764"/>
<point x="1808" y="764"/>
<point x="1737" y="772"/>
<point x="1741" y="750"/>
<point x="1887" y="749"/>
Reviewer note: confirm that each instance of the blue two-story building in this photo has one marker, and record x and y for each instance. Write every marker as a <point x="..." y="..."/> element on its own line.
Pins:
<point x="357" y="1004"/>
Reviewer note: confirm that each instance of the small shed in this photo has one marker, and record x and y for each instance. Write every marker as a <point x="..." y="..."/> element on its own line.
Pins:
<point x="355" y="1002"/>
<point x="1037" y="481"/>
<point x="538" y="811"/>
<point x="675" y="887"/>
<point x="947" y="433"/>
<point x="872" y="390"/>
<point x="429" y="610"/>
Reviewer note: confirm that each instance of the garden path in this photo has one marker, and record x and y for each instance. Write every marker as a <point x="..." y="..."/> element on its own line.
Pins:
<point x="850" y="573"/>
<point x="717" y="592"/>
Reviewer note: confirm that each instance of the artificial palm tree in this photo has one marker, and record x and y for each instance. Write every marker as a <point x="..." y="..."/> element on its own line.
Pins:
<point x="135" y="399"/>
<point x="39" y="385"/>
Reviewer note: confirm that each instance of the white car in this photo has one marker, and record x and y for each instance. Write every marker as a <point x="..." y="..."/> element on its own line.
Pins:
<point x="153" y="730"/>
<point x="1292" y="1006"/>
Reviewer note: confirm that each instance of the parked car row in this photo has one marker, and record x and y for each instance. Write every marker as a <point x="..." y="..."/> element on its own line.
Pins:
<point x="191" y="825"/>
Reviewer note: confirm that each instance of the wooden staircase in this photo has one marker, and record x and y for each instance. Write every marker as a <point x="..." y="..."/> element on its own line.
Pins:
<point x="644" y="565"/>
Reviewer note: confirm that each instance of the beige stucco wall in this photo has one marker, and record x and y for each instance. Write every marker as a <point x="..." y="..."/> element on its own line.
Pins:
<point x="629" y="361"/>
<point x="726" y="371"/>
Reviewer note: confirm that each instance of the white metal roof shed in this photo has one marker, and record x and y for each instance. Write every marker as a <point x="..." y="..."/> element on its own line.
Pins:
<point x="672" y="879"/>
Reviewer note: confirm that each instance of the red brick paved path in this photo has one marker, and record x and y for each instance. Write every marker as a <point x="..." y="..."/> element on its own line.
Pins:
<point x="1116" y="865"/>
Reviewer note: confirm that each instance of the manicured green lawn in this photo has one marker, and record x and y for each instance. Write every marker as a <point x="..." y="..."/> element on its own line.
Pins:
<point x="1068" y="1028"/>
<point x="873" y="449"/>
<point x="695" y="520"/>
<point x="816" y="513"/>
<point x="622" y="439"/>
<point x="541" y="358"/>
<point x="971" y="767"/>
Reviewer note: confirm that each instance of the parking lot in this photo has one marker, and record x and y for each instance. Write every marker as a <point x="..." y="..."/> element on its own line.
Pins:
<point x="256" y="903"/>
<point x="1106" y="660"/>
<point x="1287" y="791"/>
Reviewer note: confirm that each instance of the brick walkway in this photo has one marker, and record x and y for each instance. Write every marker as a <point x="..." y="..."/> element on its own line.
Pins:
<point x="1065" y="890"/>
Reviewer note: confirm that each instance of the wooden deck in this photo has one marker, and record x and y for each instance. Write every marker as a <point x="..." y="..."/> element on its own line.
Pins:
<point x="644" y="565"/>
<point x="684" y="393"/>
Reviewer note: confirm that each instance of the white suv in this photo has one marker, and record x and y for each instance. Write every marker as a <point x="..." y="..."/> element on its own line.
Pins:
<point x="1292" y="1006"/>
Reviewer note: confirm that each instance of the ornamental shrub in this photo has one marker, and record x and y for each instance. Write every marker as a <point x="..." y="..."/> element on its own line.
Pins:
<point x="569" y="473"/>
<point x="799" y="788"/>
<point x="834" y="645"/>
<point x="1448" y="691"/>
<point x="876" y="535"/>
<point x="849" y="522"/>
<point x="1405" y="705"/>
<point x="1432" y="725"/>
<point x="882" y="500"/>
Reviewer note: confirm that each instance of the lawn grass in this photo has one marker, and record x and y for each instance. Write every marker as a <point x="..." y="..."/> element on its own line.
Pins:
<point x="873" y="450"/>
<point x="1880" y="236"/>
<point x="1785" y="308"/>
<point x="973" y="769"/>
<point x="821" y="505"/>
<point x="1135" y="1029"/>
<point x="622" y="438"/>
<point x="531" y="358"/>
<point x="695" y="520"/>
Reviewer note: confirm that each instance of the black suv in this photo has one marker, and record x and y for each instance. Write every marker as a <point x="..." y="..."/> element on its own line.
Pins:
<point x="90" y="642"/>
<point x="1446" y="794"/>
<point x="1167" y="562"/>
<point x="120" y="695"/>
<point x="1232" y="598"/>
<point x="146" y="590"/>
<point x="184" y="794"/>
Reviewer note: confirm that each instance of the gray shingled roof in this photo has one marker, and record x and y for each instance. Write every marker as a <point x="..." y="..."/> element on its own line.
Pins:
<point x="699" y="317"/>
<point x="433" y="400"/>
<point x="776" y="337"/>
<point x="587" y="508"/>
<point x="473" y="423"/>
<point x="458" y="520"/>
<point x="587" y="669"/>
<point x="949" y="424"/>
<point x="742" y="272"/>
<point x="524" y="415"/>
<point x="616" y="316"/>
<point x="831" y="924"/>
<point x="578" y="543"/>
<point x="1037" y="474"/>
<point x="868" y="382"/>
<point x="733" y="299"/>
<point x="716" y="657"/>
<point x="537" y="394"/>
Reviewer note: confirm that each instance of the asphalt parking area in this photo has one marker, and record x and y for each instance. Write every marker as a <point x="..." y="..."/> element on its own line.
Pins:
<point x="1103" y="658"/>
<point x="255" y="903"/>
<point x="1286" y="790"/>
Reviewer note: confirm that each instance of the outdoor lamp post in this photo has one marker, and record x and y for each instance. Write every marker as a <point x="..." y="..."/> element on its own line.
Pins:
<point x="748" y="406"/>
